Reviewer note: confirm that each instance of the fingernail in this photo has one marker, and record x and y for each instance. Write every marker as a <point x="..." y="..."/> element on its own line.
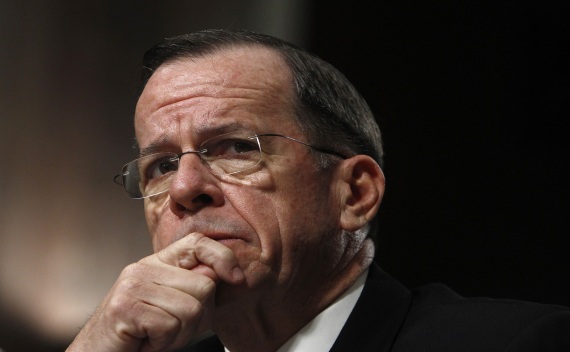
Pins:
<point x="237" y="274"/>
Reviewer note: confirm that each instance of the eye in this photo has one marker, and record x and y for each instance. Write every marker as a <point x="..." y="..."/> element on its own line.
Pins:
<point x="158" y="167"/>
<point x="243" y="146"/>
<point x="230" y="148"/>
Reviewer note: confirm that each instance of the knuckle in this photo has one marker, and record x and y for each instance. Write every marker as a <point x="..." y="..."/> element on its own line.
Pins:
<point x="167" y="328"/>
<point x="193" y="238"/>
<point x="131" y="270"/>
<point x="138" y="272"/>
<point x="207" y="245"/>
<point x="160" y="333"/>
<point x="194" y="311"/>
<point x="197" y="241"/>
<point x="121" y="305"/>
<point x="206" y="290"/>
<point x="129" y="284"/>
<point x="188" y="253"/>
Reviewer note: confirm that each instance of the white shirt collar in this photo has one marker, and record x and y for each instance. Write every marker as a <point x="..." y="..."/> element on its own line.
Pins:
<point x="321" y="332"/>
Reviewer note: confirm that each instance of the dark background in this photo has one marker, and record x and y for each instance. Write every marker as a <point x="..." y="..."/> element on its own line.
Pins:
<point x="471" y="98"/>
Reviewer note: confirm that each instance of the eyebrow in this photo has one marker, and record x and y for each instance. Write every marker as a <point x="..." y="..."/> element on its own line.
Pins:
<point x="154" y="147"/>
<point x="202" y="132"/>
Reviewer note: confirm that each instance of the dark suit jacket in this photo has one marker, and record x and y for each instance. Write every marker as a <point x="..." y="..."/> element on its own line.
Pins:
<point x="388" y="317"/>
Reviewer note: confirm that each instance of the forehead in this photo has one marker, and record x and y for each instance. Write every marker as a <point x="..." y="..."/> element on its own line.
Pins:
<point x="252" y="86"/>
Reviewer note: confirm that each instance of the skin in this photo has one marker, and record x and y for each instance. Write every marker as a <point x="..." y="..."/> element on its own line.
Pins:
<point x="253" y="257"/>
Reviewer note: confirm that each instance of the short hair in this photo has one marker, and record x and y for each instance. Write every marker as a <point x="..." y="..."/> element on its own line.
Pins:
<point x="329" y="110"/>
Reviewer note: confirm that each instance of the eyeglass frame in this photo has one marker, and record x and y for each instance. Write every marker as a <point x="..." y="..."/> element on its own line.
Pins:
<point x="119" y="179"/>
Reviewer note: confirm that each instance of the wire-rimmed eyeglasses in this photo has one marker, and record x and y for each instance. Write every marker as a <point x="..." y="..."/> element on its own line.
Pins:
<point x="226" y="154"/>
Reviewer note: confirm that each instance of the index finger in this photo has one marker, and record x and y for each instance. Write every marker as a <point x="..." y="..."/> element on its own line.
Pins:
<point x="195" y="249"/>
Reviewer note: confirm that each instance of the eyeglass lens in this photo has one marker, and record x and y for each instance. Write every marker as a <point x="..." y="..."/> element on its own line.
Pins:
<point x="226" y="154"/>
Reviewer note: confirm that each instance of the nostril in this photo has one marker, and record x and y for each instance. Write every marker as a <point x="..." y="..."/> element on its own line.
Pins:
<point x="198" y="202"/>
<point x="203" y="199"/>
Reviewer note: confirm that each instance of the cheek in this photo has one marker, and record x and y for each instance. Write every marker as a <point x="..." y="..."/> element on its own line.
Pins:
<point x="311" y="213"/>
<point x="260" y="208"/>
<point x="155" y="220"/>
<point x="304" y="212"/>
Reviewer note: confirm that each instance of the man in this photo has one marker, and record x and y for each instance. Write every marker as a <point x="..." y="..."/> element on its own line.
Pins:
<point x="259" y="170"/>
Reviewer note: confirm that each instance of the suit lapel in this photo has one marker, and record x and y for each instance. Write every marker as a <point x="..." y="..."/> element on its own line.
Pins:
<point x="208" y="344"/>
<point x="373" y="324"/>
<point x="375" y="320"/>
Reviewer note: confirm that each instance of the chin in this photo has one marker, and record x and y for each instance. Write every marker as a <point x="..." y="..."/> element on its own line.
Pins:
<point x="257" y="279"/>
<point x="228" y="295"/>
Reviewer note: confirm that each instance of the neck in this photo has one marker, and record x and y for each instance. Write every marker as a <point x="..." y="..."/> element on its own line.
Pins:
<point x="266" y="321"/>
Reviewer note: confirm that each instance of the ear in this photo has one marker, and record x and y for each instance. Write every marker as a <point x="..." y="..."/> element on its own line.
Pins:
<point x="361" y="188"/>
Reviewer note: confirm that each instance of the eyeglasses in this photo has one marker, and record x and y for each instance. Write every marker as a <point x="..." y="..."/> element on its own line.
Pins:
<point x="226" y="154"/>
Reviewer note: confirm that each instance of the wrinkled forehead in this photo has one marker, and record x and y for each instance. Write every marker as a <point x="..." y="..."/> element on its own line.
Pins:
<point x="234" y="75"/>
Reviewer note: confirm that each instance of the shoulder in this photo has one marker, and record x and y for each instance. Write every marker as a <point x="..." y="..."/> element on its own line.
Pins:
<point x="439" y="320"/>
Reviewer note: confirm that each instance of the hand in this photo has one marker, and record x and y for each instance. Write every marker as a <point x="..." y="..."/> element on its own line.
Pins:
<point x="162" y="301"/>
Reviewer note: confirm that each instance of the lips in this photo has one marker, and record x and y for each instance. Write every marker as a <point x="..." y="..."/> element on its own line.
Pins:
<point x="222" y="237"/>
<point x="229" y="241"/>
<point x="217" y="230"/>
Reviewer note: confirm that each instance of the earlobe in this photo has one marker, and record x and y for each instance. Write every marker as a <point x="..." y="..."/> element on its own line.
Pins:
<point x="362" y="188"/>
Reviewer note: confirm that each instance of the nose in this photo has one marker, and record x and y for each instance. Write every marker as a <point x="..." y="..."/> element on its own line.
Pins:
<point x="193" y="187"/>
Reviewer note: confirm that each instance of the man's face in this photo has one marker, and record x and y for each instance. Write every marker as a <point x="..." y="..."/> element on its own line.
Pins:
<point x="280" y="218"/>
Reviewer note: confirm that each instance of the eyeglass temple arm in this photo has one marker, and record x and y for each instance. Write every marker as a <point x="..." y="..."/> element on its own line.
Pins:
<point x="331" y="152"/>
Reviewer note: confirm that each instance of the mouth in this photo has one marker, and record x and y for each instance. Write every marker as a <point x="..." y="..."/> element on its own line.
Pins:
<point x="221" y="231"/>
<point x="229" y="241"/>
<point x="221" y="237"/>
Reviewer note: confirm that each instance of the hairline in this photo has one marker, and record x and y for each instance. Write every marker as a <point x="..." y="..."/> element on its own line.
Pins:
<point x="297" y="106"/>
